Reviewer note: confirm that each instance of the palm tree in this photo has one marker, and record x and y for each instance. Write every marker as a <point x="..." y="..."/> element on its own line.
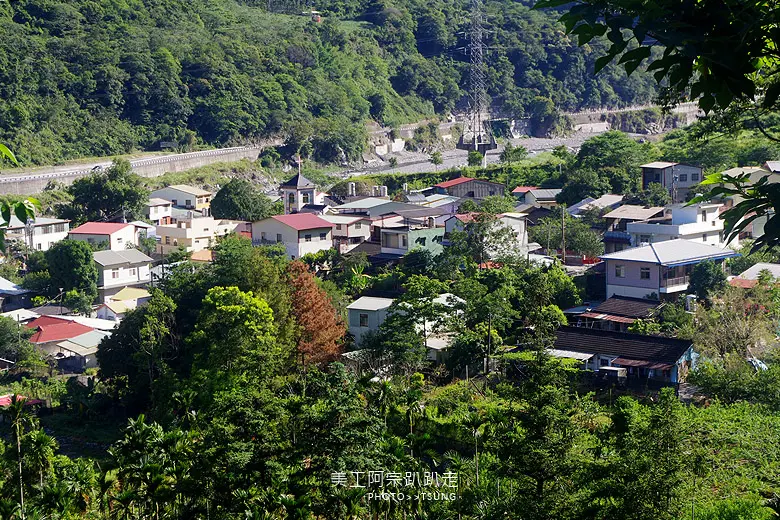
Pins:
<point x="40" y="450"/>
<point x="19" y="419"/>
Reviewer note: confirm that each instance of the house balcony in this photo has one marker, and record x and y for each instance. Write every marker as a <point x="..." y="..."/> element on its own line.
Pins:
<point x="676" y="284"/>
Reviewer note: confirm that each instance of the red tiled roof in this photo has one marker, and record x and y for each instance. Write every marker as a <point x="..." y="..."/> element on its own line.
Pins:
<point x="98" y="228"/>
<point x="524" y="189"/>
<point x="301" y="221"/>
<point x="454" y="182"/>
<point x="51" y="328"/>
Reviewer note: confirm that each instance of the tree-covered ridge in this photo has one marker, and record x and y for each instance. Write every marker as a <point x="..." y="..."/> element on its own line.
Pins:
<point x="82" y="78"/>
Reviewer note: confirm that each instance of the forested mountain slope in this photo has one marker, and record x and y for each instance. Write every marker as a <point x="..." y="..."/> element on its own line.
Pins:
<point x="89" y="77"/>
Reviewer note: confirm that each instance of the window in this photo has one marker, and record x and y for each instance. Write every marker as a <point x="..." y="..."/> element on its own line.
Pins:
<point x="188" y="202"/>
<point x="364" y="320"/>
<point x="338" y="227"/>
<point x="403" y="241"/>
<point x="604" y="362"/>
<point x="167" y="240"/>
<point x="323" y="236"/>
<point x="657" y="177"/>
<point x="154" y="209"/>
<point x="59" y="228"/>
<point x="278" y="237"/>
<point x="683" y="177"/>
<point x="620" y="271"/>
<point x="358" y="225"/>
<point x="118" y="240"/>
<point x="262" y="236"/>
<point x="114" y="273"/>
<point x="306" y="197"/>
<point x="644" y="273"/>
<point x="291" y="198"/>
<point x="132" y="271"/>
<point x="720" y="236"/>
<point x="704" y="237"/>
<point x="644" y="239"/>
<point x="38" y="246"/>
<point x="174" y="202"/>
<point x="307" y="238"/>
<point x="694" y="176"/>
<point x="704" y="216"/>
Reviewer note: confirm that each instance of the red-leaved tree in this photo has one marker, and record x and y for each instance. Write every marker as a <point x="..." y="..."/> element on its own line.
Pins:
<point x="320" y="328"/>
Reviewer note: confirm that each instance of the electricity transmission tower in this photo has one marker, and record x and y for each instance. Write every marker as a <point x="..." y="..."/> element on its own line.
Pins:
<point x="477" y="134"/>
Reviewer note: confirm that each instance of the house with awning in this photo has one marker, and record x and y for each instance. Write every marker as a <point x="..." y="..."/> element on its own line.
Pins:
<point x="655" y="358"/>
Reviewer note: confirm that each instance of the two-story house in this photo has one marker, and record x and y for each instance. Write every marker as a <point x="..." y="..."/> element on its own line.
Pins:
<point x="698" y="223"/>
<point x="675" y="177"/>
<point x="301" y="233"/>
<point x="466" y="187"/>
<point x="40" y="233"/>
<point x="514" y="222"/>
<point x="159" y="211"/>
<point x="196" y="234"/>
<point x="349" y="231"/>
<point x="658" y="269"/>
<point x="400" y="237"/>
<point x="115" y="235"/>
<point x="120" y="269"/>
<point x="187" y="197"/>
<point x="616" y="237"/>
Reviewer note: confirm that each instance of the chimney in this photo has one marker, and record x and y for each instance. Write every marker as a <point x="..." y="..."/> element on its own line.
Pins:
<point x="406" y="187"/>
<point x="351" y="189"/>
<point x="374" y="191"/>
<point x="431" y="222"/>
<point x="383" y="191"/>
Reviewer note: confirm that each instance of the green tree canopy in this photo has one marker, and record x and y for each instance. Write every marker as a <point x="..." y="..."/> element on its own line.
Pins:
<point x="72" y="267"/>
<point x="239" y="199"/>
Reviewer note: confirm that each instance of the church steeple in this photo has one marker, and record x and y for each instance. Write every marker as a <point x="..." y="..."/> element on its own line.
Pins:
<point x="297" y="192"/>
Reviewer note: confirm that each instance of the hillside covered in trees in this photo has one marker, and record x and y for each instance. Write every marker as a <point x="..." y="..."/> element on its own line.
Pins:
<point x="82" y="77"/>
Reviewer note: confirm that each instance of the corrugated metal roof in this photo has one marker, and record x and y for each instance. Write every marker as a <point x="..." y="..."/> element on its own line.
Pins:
<point x="370" y="303"/>
<point x="302" y="221"/>
<point x="658" y="349"/>
<point x="98" y="228"/>
<point x="126" y="256"/>
<point x="672" y="252"/>
<point x="545" y="194"/>
<point x="658" y="164"/>
<point x="632" y="212"/>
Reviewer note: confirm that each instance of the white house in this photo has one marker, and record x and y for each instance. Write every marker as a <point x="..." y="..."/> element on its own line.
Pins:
<point x="120" y="269"/>
<point x="516" y="222"/>
<point x="366" y="314"/>
<point x="677" y="178"/>
<point x="301" y="233"/>
<point x="299" y="192"/>
<point x="188" y="197"/>
<point x="41" y="234"/>
<point x="698" y="223"/>
<point x="159" y="211"/>
<point x="117" y="236"/>
<point x="348" y="231"/>
<point x="196" y="234"/>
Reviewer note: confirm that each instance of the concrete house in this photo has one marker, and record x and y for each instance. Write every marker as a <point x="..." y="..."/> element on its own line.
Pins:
<point x="543" y="198"/>
<point x="40" y="234"/>
<point x="398" y="237"/>
<point x="697" y="223"/>
<point x="117" y="236"/>
<point x="520" y="192"/>
<point x="660" y="268"/>
<point x="675" y="177"/>
<point x="119" y="304"/>
<point x="301" y="233"/>
<point x="120" y="269"/>
<point x="348" y="231"/>
<point x="656" y="358"/>
<point x="196" y="234"/>
<point x="514" y="221"/>
<point x="616" y="237"/>
<point x="76" y="354"/>
<point x="366" y="314"/>
<point x="466" y="187"/>
<point x="159" y="211"/>
<point x="188" y="197"/>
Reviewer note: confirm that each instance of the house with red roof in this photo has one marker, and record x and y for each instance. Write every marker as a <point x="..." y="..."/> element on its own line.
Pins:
<point x="466" y="187"/>
<point x="521" y="191"/>
<point x="116" y="235"/>
<point x="301" y="233"/>
<point x="52" y="330"/>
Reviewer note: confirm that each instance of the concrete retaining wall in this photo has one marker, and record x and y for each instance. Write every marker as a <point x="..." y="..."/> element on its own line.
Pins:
<point x="153" y="167"/>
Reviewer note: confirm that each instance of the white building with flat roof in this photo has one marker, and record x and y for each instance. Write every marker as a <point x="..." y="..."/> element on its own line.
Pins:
<point x="697" y="223"/>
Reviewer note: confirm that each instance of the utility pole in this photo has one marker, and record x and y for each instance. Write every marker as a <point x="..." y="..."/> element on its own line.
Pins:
<point x="487" y="358"/>
<point x="563" y="232"/>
